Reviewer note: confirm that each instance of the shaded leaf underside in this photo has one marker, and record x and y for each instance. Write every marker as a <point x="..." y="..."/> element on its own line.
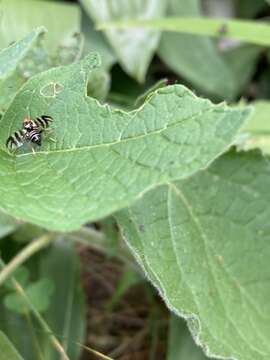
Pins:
<point x="203" y="242"/>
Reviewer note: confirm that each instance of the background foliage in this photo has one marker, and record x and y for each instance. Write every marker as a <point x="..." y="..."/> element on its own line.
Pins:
<point x="159" y="167"/>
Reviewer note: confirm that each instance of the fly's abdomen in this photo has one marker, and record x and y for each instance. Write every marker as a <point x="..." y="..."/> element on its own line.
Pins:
<point x="34" y="136"/>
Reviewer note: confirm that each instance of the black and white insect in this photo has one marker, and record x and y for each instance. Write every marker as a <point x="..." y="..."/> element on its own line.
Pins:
<point x="30" y="133"/>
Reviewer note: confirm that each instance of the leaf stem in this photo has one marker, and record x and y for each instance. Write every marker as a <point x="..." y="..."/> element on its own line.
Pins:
<point x="35" y="342"/>
<point x="95" y="352"/>
<point x="257" y="33"/>
<point x="39" y="318"/>
<point x="54" y="340"/>
<point x="24" y="255"/>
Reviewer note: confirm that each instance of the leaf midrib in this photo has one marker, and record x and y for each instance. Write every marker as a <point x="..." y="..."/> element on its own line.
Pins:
<point x="130" y="139"/>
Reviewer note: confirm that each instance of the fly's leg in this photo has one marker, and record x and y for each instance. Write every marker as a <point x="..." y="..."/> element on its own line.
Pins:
<point x="13" y="151"/>
<point x="47" y="131"/>
<point x="31" y="148"/>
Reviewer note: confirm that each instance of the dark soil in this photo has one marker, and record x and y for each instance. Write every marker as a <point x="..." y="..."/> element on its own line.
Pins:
<point x="135" y="328"/>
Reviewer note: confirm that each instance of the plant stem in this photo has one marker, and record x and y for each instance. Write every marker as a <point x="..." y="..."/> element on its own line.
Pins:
<point x="95" y="352"/>
<point x="36" y="344"/>
<point x="42" y="322"/>
<point x="24" y="255"/>
<point x="39" y="318"/>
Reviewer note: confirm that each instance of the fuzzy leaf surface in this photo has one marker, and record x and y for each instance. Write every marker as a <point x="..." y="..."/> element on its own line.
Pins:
<point x="204" y="243"/>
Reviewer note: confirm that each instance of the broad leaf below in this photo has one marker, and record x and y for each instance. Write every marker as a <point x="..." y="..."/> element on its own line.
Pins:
<point x="204" y="243"/>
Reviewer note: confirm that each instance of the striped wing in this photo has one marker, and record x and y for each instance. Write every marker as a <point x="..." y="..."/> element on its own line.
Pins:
<point x="16" y="140"/>
<point x="43" y="121"/>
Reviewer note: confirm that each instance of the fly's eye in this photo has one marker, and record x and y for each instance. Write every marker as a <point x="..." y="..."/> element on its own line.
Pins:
<point x="27" y="123"/>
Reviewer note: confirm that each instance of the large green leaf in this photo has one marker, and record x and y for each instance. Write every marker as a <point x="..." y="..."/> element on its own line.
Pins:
<point x="66" y="316"/>
<point x="18" y="18"/>
<point x="204" y="243"/>
<point x="7" y="350"/>
<point x="103" y="159"/>
<point x="134" y="48"/>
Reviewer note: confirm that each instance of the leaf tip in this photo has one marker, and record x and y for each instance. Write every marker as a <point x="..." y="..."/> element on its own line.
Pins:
<point x="91" y="61"/>
<point x="41" y="30"/>
<point x="246" y="112"/>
